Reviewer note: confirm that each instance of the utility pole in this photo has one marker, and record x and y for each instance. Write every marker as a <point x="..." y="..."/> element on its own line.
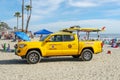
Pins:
<point x="22" y="15"/>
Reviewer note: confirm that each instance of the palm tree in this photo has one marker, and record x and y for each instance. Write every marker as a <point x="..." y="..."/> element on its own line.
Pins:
<point x="22" y="15"/>
<point x="29" y="12"/>
<point x="15" y="28"/>
<point x="28" y="8"/>
<point x="17" y="14"/>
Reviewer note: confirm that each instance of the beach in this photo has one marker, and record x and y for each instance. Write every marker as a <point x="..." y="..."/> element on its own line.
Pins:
<point x="103" y="66"/>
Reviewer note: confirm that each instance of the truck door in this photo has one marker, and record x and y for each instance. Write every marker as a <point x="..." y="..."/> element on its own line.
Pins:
<point x="54" y="46"/>
<point x="70" y="45"/>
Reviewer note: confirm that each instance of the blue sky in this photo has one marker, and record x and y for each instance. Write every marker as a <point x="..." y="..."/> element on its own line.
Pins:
<point x="58" y="14"/>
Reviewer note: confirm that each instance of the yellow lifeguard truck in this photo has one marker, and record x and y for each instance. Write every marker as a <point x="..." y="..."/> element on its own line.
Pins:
<point x="64" y="43"/>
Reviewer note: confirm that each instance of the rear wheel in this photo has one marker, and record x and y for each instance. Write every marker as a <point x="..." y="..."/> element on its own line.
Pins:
<point x="76" y="56"/>
<point x="87" y="55"/>
<point x="33" y="57"/>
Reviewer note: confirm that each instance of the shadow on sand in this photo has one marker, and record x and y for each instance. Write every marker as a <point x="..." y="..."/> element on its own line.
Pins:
<point x="12" y="61"/>
<point x="61" y="59"/>
<point x="43" y="60"/>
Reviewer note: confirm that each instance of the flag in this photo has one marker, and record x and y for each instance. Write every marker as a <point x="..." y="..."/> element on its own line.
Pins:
<point x="103" y="28"/>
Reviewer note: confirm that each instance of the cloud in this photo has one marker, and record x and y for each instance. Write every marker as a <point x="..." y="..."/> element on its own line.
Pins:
<point x="82" y="3"/>
<point x="43" y="7"/>
<point x="13" y="22"/>
<point x="111" y="25"/>
<point x="107" y="1"/>
<point x="92" y="3"/>
<point x="112" y="12"/>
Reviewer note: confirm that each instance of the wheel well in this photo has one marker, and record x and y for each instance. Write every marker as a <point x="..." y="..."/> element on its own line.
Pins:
<point x="37" y="49"/>
<point x="88" y="48"/>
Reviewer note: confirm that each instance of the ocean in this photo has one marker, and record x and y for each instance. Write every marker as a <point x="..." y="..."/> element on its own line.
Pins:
<point x="110" y="36"/>
<point x="102" y="36"/>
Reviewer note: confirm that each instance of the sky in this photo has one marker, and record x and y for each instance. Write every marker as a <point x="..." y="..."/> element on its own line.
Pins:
<point x="55" y="15"/>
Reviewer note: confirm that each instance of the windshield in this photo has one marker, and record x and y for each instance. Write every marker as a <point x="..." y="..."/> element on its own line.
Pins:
<point x="43" y="37"/>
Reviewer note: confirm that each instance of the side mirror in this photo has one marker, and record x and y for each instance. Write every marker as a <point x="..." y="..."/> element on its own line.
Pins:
<point x="44" y="42"/>
<point x="47" y="40"/>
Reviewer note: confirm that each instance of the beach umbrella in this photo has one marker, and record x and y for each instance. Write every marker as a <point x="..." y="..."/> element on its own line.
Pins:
<point x="22" y="36"/>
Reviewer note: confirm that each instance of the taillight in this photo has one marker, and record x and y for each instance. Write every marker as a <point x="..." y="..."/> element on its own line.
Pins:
<point x="102" y="44"/>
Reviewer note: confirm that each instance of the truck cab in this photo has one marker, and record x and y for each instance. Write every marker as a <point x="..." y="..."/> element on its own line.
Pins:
<point x="58" y="44"/>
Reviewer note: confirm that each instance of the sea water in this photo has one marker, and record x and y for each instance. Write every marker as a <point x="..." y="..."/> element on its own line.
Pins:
<point x="102" y="36"/>
<point x="110" y="36"/>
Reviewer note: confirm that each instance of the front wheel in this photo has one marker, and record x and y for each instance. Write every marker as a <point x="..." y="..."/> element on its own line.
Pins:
<point x="87" y="55"/>
<point x="33" y="57"/>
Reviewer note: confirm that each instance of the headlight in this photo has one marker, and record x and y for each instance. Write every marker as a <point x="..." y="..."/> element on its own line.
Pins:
<point x="16" y="46"/>
<point x="22" y="45"/>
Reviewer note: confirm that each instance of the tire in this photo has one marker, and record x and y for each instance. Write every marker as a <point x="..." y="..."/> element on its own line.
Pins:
<point x="87" y="55"/>
<point x="33" y="57"/>
<point x="76" y="56"/>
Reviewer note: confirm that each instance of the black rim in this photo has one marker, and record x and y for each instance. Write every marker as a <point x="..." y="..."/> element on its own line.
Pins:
<point x="87" y="55"/>
<point x="33" y="57"/>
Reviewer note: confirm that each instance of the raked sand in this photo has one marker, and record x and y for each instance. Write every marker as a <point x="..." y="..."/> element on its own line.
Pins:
<point x="103" y="66"/>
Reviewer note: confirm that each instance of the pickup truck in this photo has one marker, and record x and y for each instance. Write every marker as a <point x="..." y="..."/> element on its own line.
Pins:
<point x="58" y="44"/>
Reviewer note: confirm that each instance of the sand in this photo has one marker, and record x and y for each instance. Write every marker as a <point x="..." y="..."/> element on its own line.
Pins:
<point x="103" y="66"/>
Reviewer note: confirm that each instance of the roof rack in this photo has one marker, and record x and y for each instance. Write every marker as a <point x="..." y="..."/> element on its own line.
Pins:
<point x="75" y="28"/>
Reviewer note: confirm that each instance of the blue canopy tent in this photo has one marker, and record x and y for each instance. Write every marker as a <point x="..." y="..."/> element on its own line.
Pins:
<point x="43" y="31"/>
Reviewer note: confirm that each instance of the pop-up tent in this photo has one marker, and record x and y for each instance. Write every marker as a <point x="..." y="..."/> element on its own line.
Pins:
<point x="43" y="31"/>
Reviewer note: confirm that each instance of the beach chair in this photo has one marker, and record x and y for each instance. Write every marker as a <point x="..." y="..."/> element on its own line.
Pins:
<point x="4" y="46"/>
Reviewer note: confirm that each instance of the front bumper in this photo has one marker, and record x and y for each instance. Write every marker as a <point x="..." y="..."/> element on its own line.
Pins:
<point x="17" y="52"/>
<point x="20" y="52"/>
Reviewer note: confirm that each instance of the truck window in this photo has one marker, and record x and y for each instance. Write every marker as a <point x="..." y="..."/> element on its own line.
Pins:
<point x="68" y="37"/>
<point x="56" y="38"/>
